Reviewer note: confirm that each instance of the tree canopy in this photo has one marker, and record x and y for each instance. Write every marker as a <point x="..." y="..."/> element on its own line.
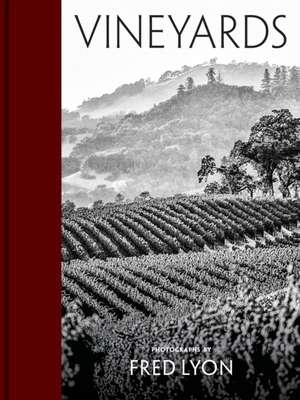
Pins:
<point x="273" y="149"/>
<point x="273" y="146"/>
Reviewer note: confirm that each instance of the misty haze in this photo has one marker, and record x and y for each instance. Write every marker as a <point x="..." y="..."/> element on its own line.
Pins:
<point x="148" y="136"/>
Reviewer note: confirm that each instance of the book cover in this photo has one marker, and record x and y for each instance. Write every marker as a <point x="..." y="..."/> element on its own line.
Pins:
<point x="180" y="153"/>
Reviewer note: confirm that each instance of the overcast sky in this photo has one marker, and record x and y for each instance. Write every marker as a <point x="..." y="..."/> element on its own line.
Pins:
<point x="97" y="70"/>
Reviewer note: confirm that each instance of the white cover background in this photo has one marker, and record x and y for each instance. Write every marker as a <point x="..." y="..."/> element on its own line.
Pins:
<point x="97" y="70"/>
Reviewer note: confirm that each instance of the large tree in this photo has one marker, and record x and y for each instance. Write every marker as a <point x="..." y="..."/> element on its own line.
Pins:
<point x="273" y="139"/>
<point x="289" y="176"/>
<point x="233" y="177"/>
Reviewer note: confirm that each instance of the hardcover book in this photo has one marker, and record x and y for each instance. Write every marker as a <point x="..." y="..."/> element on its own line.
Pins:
<point x="180" y="243"/>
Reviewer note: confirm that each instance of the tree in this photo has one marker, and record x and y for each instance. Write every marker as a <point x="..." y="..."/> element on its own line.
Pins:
<point x="266" y="82"/>
<point x="119" y="198"/>
<point x="283" y="77"/>
<point x="180" y="90"/>
<point x="211" y="75"/>
<point x="236" y="153"/>
<point x="214" y="188"/>
<point x="208" y="167"/>
<point x="97" y="205"/>
<point x="143" y="196"/>
<point x="68" y="207"/>
<point x="289" y="176"/>
<point x="250" y="184"/>
<point x="276" y="81"/>
<point x="190" y="83"/>
<point x="234" y="179"/>
<point x="165" y="76"/>
<point x="273" y="139"/>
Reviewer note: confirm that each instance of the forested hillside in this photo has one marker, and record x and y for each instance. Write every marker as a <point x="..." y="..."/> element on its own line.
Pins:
<point x="159" y="150"/>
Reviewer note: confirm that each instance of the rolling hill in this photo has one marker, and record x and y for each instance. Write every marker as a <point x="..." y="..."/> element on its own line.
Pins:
<point x="160" y="150"/>
<point x="144" y="94"/>
<point x="178" y="224"/>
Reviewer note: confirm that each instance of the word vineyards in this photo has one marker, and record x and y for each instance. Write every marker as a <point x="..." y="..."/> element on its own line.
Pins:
<point x="152" y="31"/>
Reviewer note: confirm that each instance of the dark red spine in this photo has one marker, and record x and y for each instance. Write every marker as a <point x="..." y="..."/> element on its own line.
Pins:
<point x="3" y="201"/>
<point x="32" y="209"/>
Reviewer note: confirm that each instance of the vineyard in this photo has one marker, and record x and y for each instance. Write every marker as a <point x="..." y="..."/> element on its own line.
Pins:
<point x="182" y="271"/>
<point x="178" y="224"/>
<point x="152" y="285"/>
<point x="259" y="335"/>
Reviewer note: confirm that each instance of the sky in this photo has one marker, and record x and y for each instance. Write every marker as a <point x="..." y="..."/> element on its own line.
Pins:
<point x="91" y="72"/>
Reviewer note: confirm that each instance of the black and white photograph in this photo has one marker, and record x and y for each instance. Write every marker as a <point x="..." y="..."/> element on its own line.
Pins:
<point x="180" y="203"/>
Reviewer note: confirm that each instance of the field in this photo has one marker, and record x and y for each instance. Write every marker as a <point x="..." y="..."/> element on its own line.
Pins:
<point x="188" y="272"/>
<point x="152" y="285"/>
<point x="168" y="226"/>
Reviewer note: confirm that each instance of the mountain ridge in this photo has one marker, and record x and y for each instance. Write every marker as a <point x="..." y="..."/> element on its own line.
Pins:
<point x="143" y="94"/>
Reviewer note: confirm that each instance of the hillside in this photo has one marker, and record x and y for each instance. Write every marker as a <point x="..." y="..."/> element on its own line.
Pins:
<point x="183" y="224"/>
<point x="155" y="284"/>
<point x="144" y="94"/>
<point x="213" y="278"/>
<point x="160" y="150"/>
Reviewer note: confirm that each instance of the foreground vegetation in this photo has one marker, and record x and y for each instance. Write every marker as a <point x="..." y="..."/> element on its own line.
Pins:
<point x="261" y="336"/>
<point x="153" y="285"/>
<point x="158" y="273"/>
